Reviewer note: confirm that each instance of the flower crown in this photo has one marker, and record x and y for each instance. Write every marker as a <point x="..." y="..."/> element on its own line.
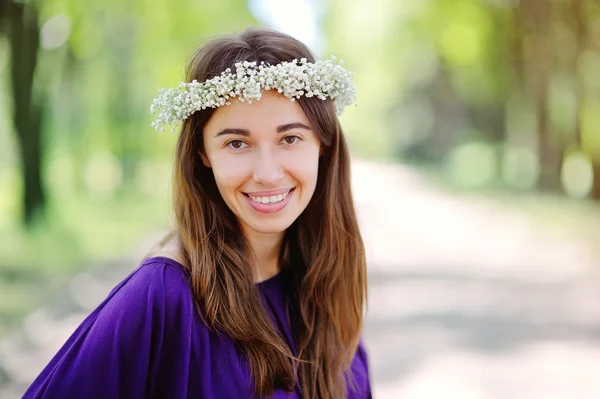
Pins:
<point x="322" y="79"/>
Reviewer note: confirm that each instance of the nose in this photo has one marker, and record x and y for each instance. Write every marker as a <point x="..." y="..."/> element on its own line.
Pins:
<point x="267" y="170"/>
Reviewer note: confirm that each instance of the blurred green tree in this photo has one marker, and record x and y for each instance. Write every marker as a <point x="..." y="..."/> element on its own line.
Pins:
<point x="20" y="22"/>
<point x="436" y="75"/>
<point x="89" y="92"/>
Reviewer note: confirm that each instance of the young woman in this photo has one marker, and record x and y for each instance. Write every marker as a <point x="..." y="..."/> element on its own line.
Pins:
<point x="260" y="289"/>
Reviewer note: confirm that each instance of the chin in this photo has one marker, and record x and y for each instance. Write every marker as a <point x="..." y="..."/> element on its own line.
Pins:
<point x="270" y="227"/>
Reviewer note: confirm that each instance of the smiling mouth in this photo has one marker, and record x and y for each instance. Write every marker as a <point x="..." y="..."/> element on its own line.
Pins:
<point x="268" y="200"/>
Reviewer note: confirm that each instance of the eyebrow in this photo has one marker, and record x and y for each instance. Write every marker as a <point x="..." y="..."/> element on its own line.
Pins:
<point x="280" y="129"/>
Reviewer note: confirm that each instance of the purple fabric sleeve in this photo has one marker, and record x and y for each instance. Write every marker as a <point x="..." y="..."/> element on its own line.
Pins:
<point x="145" y="340"/>
<point x="115" y="349"/>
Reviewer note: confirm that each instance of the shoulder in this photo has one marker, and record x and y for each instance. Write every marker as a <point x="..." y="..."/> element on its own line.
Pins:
<point x="141" y="327"/>
<point x="154" y="276"/>
<point x="361" y="358"/>
<point x="360" y="384"/>
<point x="170" y="250"/>
<point x="158" y="292"/>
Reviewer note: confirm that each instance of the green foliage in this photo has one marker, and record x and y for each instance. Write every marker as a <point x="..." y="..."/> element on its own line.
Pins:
<point x="106" y="170"/>
<point x="34" y="263"/>
<point x="523" y="74"/>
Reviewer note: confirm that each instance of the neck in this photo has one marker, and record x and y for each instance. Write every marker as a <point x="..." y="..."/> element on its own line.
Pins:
<point x="265" y="248"/>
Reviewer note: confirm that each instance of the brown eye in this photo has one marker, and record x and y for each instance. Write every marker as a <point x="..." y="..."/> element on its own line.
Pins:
<point x="291" y="139"/>
<point x="236" y="144"/>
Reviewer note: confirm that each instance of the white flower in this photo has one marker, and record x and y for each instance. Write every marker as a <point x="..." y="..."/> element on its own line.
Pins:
<point x="322" y="79"/>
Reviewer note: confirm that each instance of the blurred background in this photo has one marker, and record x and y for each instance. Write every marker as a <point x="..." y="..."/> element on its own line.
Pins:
<point x="476" y="148"/>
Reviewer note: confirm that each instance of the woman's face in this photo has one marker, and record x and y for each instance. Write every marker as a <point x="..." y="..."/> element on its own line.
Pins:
<point x="265" y="159"/>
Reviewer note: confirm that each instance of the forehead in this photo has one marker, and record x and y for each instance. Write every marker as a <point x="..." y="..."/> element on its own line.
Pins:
<point x="273" y="109"/>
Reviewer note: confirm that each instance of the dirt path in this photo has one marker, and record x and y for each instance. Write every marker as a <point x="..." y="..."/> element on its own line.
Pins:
<point x="469" y="299"/>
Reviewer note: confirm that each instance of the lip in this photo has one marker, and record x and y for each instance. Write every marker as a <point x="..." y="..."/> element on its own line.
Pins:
<point x="269" y="193"/>
<point x="270" y="208"/>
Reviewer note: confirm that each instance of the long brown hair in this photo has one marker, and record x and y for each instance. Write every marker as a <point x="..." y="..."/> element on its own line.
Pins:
<point x="322" y="256"/>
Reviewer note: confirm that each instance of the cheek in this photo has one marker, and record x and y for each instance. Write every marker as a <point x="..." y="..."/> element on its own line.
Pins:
<point x="304" y="167"/>
<point x="230" y="172"/>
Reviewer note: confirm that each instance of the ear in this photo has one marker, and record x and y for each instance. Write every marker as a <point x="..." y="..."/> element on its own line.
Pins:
<point x="204" y="158"/>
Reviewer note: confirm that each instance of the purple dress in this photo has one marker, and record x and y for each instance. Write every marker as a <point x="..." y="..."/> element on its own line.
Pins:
<point x="146" y="340"/>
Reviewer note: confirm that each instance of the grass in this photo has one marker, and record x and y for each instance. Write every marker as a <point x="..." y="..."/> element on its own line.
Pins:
<point x="33" y="264"/>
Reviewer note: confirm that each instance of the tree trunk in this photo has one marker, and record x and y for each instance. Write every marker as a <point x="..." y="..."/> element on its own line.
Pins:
<point x="578" y="24"/>
<point x="550" y="157"/>
<point x="536" y="17"/>
<point x="595" y="194"/>
<point x="23" y="34"/>
<point x="549" y="152"/>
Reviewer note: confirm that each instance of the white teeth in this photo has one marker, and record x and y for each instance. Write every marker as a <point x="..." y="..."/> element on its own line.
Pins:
<point x="269" y="200"/>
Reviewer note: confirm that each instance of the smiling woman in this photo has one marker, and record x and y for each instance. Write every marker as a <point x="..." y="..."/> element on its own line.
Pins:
<point x="269" y="166"/>
<point x="259" y="291"/>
